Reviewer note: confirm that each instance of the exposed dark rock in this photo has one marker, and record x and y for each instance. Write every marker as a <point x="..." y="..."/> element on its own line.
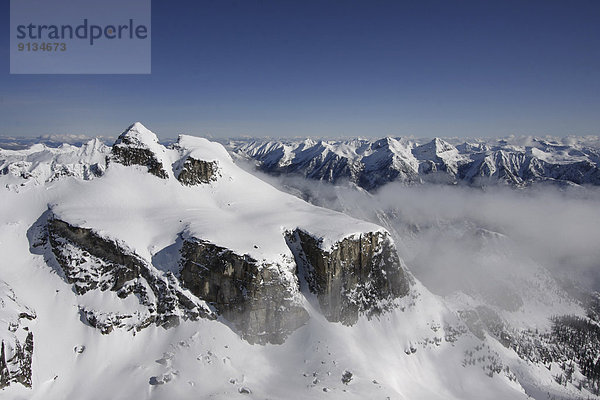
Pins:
<point x="16" y="346"/>
<point x="155" y="381"/>
<point x="91" y="262"/>
<point x="4" y="373"/>
<point x="27" y="316"/>
<point x="196" y="172"/>
<point x="162" y="379"/>
<point x="24" y="356"/>
<point x="357" y="276"/>
<point x="112" y="260"/>
<point x="136" y="156"/>
<point x="256" y="298"/>
<point x="244" y="390"/>
<point x="16" y="368"/>
<point x="346" y="377"/>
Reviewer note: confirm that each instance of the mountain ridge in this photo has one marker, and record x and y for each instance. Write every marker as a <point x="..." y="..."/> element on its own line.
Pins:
<point x="371" y="164"/>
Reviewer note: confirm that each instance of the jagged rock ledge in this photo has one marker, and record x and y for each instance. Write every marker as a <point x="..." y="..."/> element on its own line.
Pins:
<point x="92" y="262"/>
<point x="196" y="172"/>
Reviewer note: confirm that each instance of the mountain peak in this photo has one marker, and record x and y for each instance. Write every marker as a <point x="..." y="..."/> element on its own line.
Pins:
<point x="137" y="125"/>
<point x="138" y="145"/>
<point x="138" y="135"/>
<point x="432" y="149"/>
<point x="440" y="145"/>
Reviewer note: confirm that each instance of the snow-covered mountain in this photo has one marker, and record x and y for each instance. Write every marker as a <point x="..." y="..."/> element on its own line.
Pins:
<point x="373" y="163"/>
<point x="146" y="271"/>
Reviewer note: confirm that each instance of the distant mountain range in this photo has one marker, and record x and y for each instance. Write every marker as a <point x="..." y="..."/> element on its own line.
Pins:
<point x="478" y="162"/>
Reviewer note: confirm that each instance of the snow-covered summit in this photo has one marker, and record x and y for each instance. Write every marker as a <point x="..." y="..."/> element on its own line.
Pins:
<point x="202" y="149"/>
<point x="435" y="149"/>
<point x="138" y="135"/>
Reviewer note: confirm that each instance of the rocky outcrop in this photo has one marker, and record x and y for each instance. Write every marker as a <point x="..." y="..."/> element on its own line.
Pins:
<point x="92" y="262"/>
<point x="196" y="172"/>
<point x="258" y="299"/>
<point x="4" y="373"/>
<point x="134" y="156"/>
<point x="358" y="275"/>
<point x="15" y="367"/>
<point x="16" y="339"/>
<point x="138" y="146"/>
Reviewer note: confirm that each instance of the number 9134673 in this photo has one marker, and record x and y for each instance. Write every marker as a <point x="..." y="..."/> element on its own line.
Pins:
<point x="34" y="46"/>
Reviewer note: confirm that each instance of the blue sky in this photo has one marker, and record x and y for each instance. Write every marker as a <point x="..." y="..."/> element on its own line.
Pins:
<point x="335" y="68"/>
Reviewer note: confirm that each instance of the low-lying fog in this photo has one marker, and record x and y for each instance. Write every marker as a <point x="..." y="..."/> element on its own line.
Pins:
<point x="461" y="238"/>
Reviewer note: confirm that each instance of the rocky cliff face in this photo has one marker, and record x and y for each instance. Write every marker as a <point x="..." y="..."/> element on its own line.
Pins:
<point x="16" y="339"/>
<point x="358" y="275"/>
<point x="90" y="262"/>
<point x="133" y="156"/>
<point x="196" y="172"/>
<point x="16" y="368"/>
<point x="257" y="298"/>
<point x="262" y="301"/>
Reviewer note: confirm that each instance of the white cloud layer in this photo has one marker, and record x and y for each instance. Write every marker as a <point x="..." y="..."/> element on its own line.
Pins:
<point x="457" y="238"/>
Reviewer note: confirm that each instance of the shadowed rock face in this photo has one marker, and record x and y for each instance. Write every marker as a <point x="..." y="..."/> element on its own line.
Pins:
<point x="358" y="276"/>
<point x="196" y="172"/>
<point x="135" y="156"/>
<point x="261" y="301"/>
<point x="120" y="266"/>
<point x="16" y="346"/>
<point x="255" y="298"/>
<point x="16" y="368"/>
<point x="91" y="262"/>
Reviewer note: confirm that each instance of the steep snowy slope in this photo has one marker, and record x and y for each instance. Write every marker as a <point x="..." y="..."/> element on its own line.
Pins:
<point x="172" y="273"/>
